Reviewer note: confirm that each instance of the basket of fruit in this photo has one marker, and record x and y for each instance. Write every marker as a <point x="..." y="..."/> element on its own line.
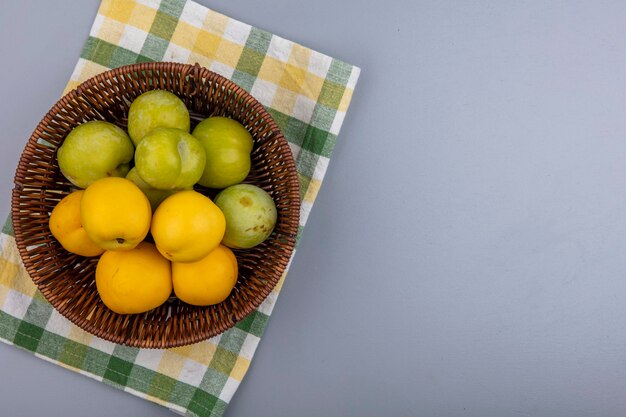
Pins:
<point x="156" y="205"/>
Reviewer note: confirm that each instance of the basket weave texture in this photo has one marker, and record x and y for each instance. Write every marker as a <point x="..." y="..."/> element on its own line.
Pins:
<point x="67" y="281"/>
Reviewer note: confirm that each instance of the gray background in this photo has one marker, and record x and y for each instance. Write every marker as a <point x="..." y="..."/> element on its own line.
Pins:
<point x="466" y="254"/>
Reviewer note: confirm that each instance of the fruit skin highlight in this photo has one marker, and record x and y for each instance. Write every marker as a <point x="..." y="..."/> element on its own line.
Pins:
<point x="156" y="108"/>
<point x="115" y="213"/>
<point x="66" y="227"/>
<point x="227" y="144"/>
<point x="134" y="281"/>
<point x="95" y="150"/>
<point x="187" y="226"/>
<point x="207" y="281"/>
<point x="250" y="215"/>
<point x="169" y="159"/>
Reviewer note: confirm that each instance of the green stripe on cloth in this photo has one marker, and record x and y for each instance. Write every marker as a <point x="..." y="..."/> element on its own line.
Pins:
<point x="172" y="7"/>
<point x="307" y="94"/>
<point x="154" y="48"/>
<point x="107" y="54"/>
<point x="254" y="323"/>
<point x="163" y="25"/>
<point x="7" y="229"/>
<point x="251" y="58"/>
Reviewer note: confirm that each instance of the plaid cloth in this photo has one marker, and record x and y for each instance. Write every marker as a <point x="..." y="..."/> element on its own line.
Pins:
<point x="306" y="92"/>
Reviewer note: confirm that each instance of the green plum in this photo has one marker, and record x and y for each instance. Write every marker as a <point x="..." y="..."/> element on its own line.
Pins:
<point x="228" y="145"/>
<point x="95" y="150"/>
<point x="155" y="196"/>
<point x="169" y="159"/>
<point x="156" y="108"/>
<point x="250" y="215"/>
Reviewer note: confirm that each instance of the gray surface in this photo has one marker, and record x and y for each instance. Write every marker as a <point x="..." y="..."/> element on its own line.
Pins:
<point x="465" y="256"/>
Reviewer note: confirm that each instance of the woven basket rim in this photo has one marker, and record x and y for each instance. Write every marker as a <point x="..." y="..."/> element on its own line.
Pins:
<point x="186" y="70"/>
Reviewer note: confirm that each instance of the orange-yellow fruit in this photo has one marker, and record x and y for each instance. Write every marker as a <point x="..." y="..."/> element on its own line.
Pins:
<point x="134" y="281"/>
<point x="115" y="213"/>
<point x="187" y="226"/>
<point x="66" y="227"/>
<point x="207" y="281"/>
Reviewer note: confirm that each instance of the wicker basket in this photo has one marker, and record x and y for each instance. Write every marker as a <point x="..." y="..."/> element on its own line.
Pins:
<point x="67" y="280"/>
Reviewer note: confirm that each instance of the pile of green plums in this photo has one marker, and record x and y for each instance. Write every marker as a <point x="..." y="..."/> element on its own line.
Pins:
<point x="161" y="156"/>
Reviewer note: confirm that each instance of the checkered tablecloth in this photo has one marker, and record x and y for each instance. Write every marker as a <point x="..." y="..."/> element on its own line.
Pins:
<point x="306" y="92"/>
